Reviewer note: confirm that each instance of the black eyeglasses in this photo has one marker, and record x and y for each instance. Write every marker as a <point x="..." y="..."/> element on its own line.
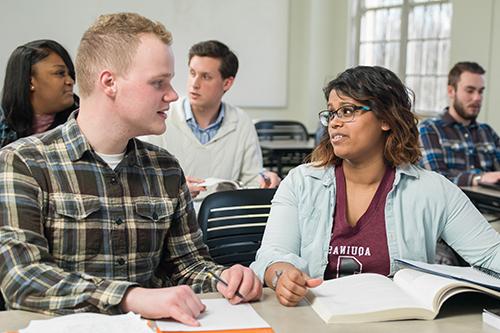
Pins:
<point x="345" y="114"/>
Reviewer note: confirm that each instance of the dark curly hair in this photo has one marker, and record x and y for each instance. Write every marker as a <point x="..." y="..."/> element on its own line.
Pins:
<point x="390" y="101"/>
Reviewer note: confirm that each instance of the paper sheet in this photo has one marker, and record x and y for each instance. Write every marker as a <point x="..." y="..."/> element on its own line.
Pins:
<point x="90" y="322"/>
<point x="219" y="315"/>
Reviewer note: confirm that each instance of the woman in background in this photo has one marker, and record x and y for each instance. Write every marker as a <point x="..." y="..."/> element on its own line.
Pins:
<point x="38" y="90"/>
<point x="363" y="202"/>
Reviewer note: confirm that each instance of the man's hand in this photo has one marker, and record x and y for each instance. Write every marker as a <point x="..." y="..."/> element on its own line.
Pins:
<point x="269" y="179"/>
<point x="179" y="303"/>
<point x="490" y="177"/>
<point x="242" y="279"/>
<point x="292" y="285"/>
<point x="192" y="184"/>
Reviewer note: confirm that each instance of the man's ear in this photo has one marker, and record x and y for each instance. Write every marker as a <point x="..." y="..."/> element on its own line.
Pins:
<point x="227" y="83"/>
<point x="451" y="92"/>
<point x="107" y="83"/>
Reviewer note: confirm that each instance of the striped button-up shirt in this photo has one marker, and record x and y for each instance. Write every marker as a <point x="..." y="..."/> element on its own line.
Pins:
<point x="204" y="135"/>
<point x="458" y="152"/>
<point x="75" y="234"/>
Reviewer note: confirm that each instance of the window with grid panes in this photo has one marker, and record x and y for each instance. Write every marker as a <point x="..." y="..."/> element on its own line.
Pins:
<point x="411" y="38"/>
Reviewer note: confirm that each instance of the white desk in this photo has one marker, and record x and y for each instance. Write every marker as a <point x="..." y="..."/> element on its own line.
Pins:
<point x="461" y="314"/>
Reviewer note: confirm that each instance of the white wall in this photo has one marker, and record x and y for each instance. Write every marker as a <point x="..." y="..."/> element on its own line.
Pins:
<point x="256" y="30"/>
<point x="476" y="37"/>
<point x="317" y="53"/>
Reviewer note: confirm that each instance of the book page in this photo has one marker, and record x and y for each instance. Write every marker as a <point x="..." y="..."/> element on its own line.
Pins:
<point x="468" y="274"/>
<point x="361" y="294"/>
<point x="219" y="315"/>
<point x="430" y="290"/>
<point x="214" y="181"/>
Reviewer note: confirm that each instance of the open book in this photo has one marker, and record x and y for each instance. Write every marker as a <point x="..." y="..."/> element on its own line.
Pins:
<point x="369" y="297"/>
<point x="478" y="275"/>
<point x="219" y="184"/>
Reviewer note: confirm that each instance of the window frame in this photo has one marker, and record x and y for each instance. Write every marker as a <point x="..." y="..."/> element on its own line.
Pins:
<point x="357" y="10"/>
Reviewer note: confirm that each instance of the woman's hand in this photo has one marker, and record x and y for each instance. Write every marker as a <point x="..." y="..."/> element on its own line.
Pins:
<point x="292" y="285"/>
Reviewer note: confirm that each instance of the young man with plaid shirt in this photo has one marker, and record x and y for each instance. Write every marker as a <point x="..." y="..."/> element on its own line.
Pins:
<point x="93" y="219"/>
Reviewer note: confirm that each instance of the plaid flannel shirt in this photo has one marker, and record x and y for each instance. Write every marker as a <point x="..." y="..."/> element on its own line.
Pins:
<point x="7" y="135"/>
<point x="456" y="151"/>
<point x="75" y="234"/>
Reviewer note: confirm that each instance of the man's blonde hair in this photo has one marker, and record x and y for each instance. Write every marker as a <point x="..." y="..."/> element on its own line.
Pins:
<point x="111" y="42"/>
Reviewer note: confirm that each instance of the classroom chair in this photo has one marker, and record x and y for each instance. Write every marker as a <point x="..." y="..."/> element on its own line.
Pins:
<point x="233" y="224"/>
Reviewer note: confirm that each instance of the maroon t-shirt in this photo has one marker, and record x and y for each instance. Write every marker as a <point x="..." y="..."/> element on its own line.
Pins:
<point x="362" y="248"/>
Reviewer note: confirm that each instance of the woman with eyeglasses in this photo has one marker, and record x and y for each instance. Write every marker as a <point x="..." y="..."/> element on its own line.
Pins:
<point x="38" y="90"/>
<point x="362" y="201"/>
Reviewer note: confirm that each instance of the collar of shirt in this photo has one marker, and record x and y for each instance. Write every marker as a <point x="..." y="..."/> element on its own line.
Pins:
<point x="77" y="145"/>
<point x="448" y="120"/>
<point x="203" y="135"/>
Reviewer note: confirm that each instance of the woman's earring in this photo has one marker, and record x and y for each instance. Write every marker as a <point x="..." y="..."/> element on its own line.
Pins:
<point x="32" y="87"/>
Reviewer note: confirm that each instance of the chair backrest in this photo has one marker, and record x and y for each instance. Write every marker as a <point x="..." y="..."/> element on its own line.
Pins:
<point x="233" y="224"/>
<point x="281" y="130"/>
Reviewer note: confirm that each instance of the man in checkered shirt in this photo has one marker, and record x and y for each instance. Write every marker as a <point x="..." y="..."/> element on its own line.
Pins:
<point x="93" y="219"/>
<point x="455" y="144"/>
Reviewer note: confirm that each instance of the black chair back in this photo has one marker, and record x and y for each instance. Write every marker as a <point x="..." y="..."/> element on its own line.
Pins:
<point x="233" y="224"/>
<point x="270" y="130"/>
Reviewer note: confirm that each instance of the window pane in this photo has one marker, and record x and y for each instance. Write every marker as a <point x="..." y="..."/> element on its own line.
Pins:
<point x="381" y="3"/>
<point x="391" y="60"/>
<point x="393" y="24"/>
<point x="443" y="57"/>
<point x="371" y="54"/>
<point x="429" y="57"/>
<point x="367" y="24"/>
<point x="431" y="21"/>
<point x="413" y="57"/>
<point x="415" y="22"/>
<point x="445" y="20"/>
<point x="381" y="24"/>
<point x="380" y="28"/>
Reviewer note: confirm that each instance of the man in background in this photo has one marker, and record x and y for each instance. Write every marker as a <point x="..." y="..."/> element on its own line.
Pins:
<point x="212" y="138"/>
<point x="455" y="144"/>
<point x="92" y="219"/>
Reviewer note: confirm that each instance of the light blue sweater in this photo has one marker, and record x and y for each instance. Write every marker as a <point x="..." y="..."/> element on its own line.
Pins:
<point x="421" y="207"/>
